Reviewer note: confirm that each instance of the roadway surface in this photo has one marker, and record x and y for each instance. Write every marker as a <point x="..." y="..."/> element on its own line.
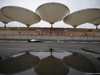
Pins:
<point x="10" y="48"/>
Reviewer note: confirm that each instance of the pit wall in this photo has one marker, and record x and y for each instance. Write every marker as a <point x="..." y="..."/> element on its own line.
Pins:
<point x="24" y="37"/>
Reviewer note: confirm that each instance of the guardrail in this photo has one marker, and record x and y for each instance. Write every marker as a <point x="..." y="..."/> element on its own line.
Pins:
<point x="49" y="37"/>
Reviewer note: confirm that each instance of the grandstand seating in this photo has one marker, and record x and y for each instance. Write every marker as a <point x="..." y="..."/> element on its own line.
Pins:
<point x="6" y="32"/>
<point x="49" y="31"/>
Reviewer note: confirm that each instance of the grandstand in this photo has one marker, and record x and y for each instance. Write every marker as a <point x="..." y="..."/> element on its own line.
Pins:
<point x="29" y="17"/>
<point x="64" y="34"/>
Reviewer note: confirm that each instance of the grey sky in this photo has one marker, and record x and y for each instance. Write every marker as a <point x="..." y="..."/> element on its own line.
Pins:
<point x="73" y="5"/>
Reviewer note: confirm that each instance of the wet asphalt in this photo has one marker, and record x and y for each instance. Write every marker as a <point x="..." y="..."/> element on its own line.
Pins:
<point x="10" y="48"/>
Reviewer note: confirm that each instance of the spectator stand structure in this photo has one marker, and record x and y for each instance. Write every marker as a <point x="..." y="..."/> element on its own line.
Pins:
<point x="49" y="12"/>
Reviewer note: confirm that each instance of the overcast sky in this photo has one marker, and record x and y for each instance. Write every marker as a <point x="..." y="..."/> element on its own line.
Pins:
<point x="73" y="5"/>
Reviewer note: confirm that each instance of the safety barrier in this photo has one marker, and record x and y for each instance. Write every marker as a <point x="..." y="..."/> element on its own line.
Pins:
<point x="25" y="37"/>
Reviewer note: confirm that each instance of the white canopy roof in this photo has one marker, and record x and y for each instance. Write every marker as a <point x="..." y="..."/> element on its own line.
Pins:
<point x="82" y="16"/>
<point x="4" y="19"/>
<point x="52" y="12"/>
<point x="96" y="21"/>
<point x="20" y="14"/>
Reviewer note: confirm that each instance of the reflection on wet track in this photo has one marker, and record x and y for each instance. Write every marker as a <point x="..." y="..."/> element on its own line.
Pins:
<point x="48" y="63"/>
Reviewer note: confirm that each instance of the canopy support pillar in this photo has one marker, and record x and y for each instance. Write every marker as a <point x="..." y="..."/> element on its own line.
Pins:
<point x="52" y="28"/>
<point x="74" y="27"/>
<point x="5" y="24"/>
<point x="96" y="26"/>
<point x="51" y="50"/>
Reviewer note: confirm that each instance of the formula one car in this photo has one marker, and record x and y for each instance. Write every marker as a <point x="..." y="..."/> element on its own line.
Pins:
<point x="34" y="40"/>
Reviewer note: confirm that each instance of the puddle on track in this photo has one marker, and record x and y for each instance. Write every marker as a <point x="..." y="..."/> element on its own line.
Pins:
<point x="45" y="63"/>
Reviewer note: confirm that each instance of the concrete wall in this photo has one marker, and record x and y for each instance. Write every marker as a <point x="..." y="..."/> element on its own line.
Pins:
<point x="48" y="37"/>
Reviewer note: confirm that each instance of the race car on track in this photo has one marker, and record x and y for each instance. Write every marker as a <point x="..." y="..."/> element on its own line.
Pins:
<point x="34" y="40"/>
